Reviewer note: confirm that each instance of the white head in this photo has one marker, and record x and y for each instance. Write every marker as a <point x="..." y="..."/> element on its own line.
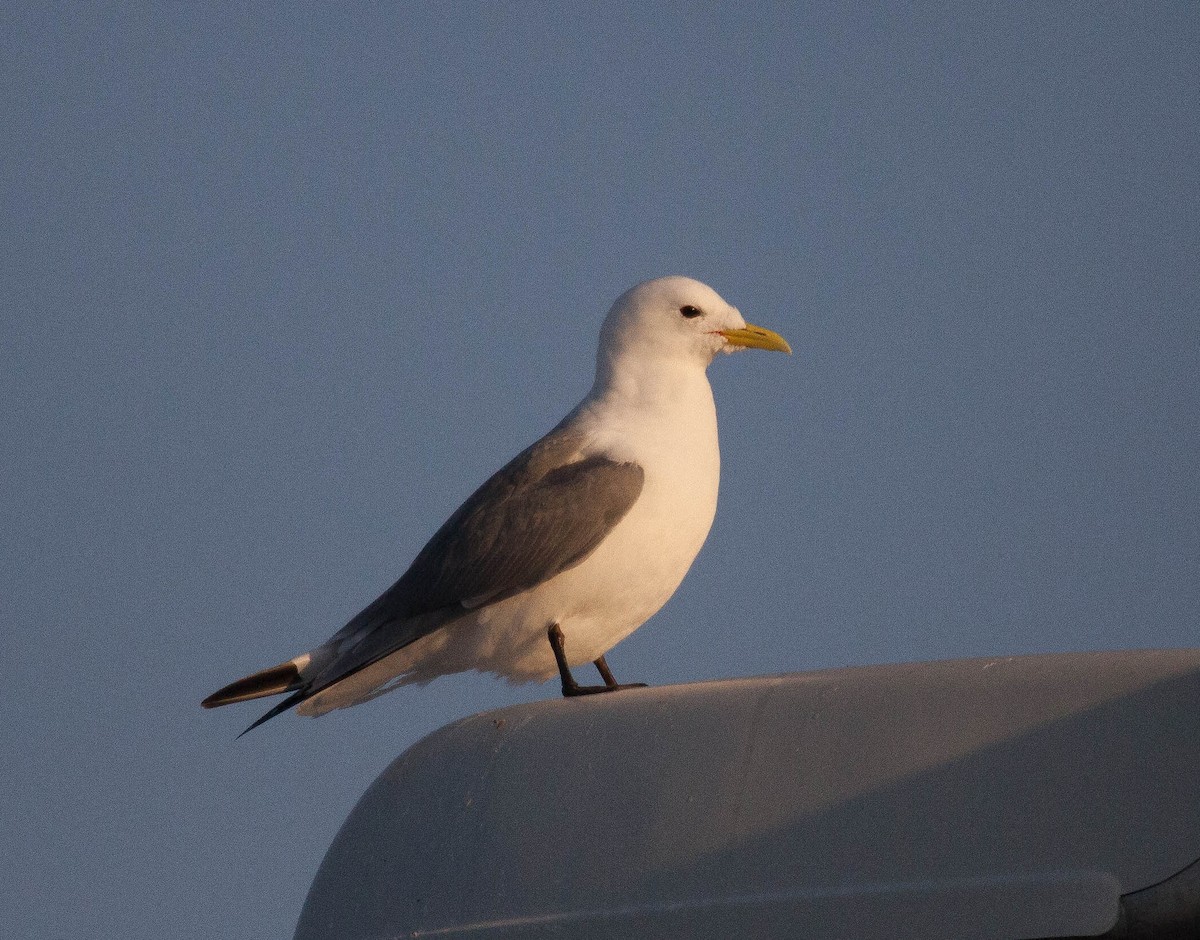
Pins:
<point x="675" y="320"/>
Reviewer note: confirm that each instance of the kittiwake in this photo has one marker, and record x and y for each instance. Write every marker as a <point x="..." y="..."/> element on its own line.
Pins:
<point x="569" y="547"/>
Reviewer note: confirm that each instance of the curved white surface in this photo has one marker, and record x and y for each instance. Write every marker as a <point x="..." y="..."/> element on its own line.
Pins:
<point x="1004" y="797"/>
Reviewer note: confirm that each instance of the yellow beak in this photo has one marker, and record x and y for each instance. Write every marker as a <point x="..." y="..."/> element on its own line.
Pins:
<point x="757" y="337"/>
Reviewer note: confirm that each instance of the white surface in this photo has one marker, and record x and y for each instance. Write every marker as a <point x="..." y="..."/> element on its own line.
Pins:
<point x="1014" y="797"/>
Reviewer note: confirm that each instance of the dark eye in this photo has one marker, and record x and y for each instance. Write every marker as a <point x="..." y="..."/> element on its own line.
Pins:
<point x="691" y="312"/>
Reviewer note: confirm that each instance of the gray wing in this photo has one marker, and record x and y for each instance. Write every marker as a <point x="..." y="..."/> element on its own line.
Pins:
<point x="541" y="514"/>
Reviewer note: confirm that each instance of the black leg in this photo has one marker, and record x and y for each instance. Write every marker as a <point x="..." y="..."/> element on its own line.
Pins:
<point x="610" y="681"/>
<point x="569" y="686"/>
<point x="601" y="665"/>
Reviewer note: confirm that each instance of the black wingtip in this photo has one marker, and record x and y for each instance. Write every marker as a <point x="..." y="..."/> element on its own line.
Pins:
<point x="293" y="699"/>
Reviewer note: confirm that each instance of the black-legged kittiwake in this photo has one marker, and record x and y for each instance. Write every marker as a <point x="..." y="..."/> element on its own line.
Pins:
<point x="568" y="548"/>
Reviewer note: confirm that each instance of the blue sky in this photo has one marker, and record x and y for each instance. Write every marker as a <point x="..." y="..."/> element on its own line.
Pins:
<point x="284" y="283"/>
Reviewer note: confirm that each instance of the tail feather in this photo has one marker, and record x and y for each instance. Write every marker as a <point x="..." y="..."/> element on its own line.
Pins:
<point x="282" y="678"/>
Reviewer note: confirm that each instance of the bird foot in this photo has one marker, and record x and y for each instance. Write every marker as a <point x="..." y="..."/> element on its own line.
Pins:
<point x="570" y="687"/>
<point x="569" y="691"/>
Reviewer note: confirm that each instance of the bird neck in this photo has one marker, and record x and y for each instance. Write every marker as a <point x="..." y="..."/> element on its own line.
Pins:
<point x="650" y="412"/>
<point x="650" y="384"/>
<point x="662" y="416"/>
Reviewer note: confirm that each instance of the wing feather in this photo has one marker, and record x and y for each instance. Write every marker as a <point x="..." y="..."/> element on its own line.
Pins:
<point x="541" y="514"/>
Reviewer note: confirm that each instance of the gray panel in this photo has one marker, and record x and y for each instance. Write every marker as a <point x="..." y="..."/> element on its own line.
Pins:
<point x="1010" y="797"/>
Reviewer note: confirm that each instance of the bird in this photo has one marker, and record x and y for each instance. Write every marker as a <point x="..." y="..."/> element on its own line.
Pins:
<point x="569" y="547"/>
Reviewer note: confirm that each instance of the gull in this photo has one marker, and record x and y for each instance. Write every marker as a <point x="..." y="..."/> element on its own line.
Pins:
<point x="568" y="548"/>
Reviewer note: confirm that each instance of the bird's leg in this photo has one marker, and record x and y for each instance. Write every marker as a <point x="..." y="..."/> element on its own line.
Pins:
<point x="601" y="665"/>
<point x="569" y="686"/>
<point x="610" y="681"/>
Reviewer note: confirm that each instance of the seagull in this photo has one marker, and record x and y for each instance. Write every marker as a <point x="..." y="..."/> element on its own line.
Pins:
<point x="568" y="548"/>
